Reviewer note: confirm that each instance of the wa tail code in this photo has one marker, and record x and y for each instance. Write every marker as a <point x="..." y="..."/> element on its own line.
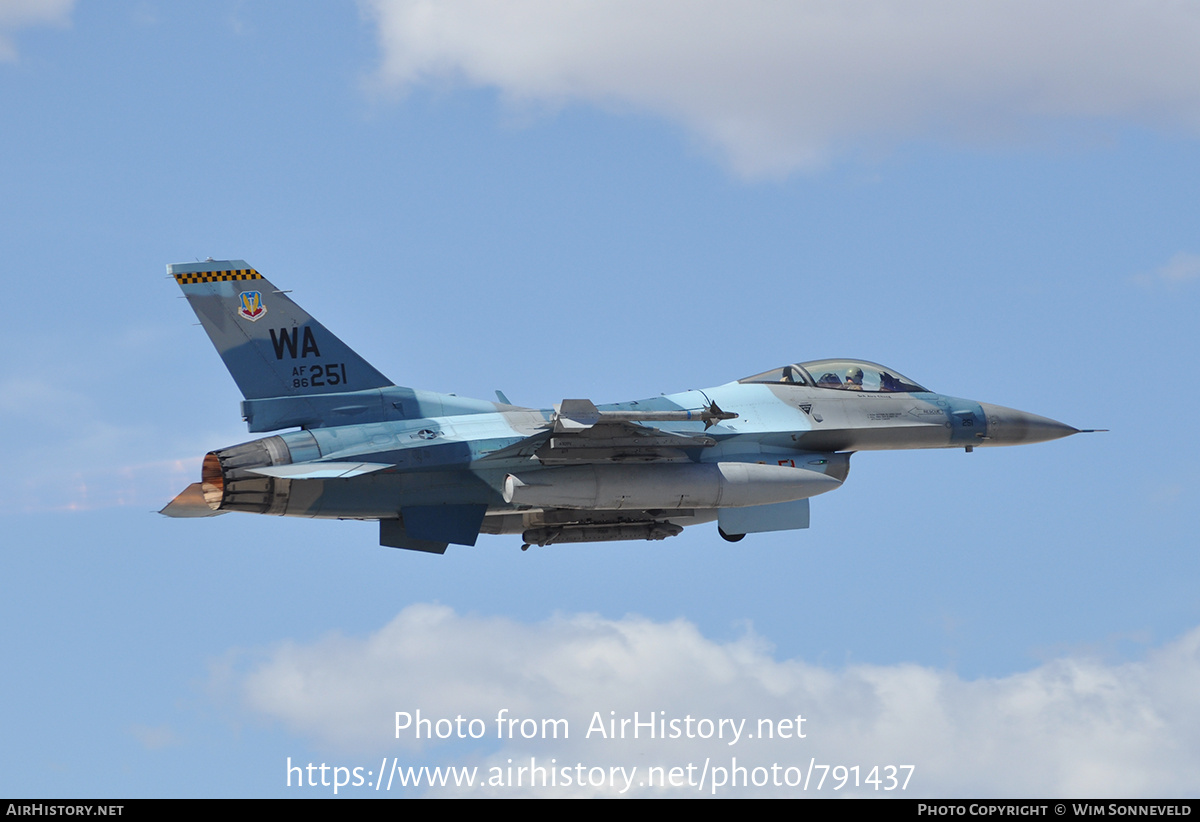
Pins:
<point x="285" y="340"/>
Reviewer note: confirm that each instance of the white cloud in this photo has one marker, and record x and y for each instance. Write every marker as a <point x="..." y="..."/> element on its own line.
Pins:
<point x="19" y="14"/>
<point x="1181" y="268"/>
<point x="782" y="86"/>
<point x="154" y="738"/>
<point x="1072" y="727"/>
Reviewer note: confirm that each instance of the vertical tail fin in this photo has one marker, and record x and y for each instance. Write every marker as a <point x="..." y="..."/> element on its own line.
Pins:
<point x="271" y="346"/>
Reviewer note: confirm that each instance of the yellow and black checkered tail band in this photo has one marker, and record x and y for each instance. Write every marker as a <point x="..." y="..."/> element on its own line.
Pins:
<point x="217" y="276"/>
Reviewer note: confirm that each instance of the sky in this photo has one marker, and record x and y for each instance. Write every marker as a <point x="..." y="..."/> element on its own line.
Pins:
<point x="608" y="200"/>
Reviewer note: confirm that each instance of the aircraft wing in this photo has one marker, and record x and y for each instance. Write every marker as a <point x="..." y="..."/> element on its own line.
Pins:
<point x="618" y="441"/>
<point x="580" y="433"/>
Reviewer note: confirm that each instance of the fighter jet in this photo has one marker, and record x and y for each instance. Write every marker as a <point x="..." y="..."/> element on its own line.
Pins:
<point x="439" y="469"/>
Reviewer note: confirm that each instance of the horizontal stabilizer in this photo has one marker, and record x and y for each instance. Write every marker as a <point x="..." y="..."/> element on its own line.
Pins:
<point x="320" y="470"/>
<point x="189" y="503"/>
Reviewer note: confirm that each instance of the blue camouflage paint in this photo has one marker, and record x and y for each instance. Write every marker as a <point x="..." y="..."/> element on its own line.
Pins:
<point x="437" y="469"/>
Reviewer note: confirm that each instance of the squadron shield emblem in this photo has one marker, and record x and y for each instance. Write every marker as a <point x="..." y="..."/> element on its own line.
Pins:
<point x="251" y="307"/>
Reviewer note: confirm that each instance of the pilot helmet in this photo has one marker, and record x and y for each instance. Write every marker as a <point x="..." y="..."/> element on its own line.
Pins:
<point x="854" y="375"/>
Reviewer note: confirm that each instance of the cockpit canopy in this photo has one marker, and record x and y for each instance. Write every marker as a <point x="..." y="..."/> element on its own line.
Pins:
<point x="844" y="375"/>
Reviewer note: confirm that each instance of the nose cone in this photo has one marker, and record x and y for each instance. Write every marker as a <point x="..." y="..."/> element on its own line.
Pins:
<point x="1008" y="426"/>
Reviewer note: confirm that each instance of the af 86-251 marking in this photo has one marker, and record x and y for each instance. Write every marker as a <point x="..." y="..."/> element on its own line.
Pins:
<point x="316" y="376"/>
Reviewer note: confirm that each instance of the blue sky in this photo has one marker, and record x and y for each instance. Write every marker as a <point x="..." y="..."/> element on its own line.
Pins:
<point x="607" y="201"/>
